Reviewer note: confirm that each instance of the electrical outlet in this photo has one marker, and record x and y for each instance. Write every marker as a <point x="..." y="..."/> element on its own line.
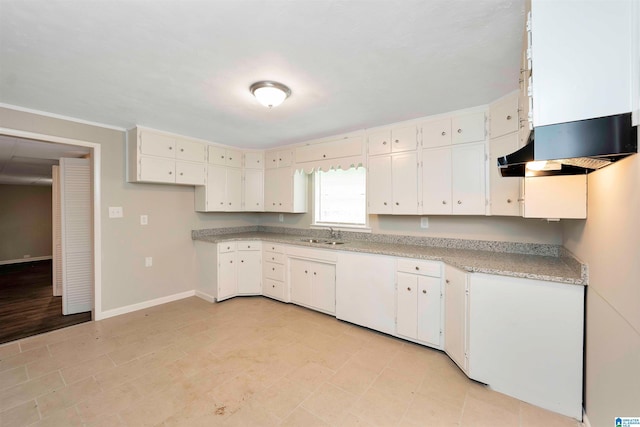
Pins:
<point x="424" y="222"/>
<point x="281" y="217"/>
<point x="115" y="212"/>
<point x="148" y="261"/>
<point x="144" y="220"/>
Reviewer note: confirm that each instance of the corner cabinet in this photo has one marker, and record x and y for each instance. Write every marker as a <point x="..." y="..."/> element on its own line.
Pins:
<point x="163" y="158"/>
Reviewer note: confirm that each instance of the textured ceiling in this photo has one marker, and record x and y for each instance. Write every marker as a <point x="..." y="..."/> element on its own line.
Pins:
<point x="186" y="66"/>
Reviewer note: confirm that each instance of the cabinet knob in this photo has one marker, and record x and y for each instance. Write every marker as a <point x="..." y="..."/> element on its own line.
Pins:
<point x="444" y="202"/>
<point x="446" y="281"/>
<point x="305" y="272"/>
<point x="385" y="203"/>
<point x="408" y="289"/>
<point x="241" y="260"/>
<point x="170" y="173"/>
<point x="424" y="291"/>
<point x="459" y="130"/>
<point x="324" y="155"/>
<point x="182" y="150"/>
<point x="397" y="204"/>
<point x="459" y="202"/>
<point x="258" y="161"/>
<point x="230" y="158"/>
<point x="508" y="200"/>
<point x="508" y="117"/>
<point x="181" y="174"/>
<point x="273" y="269"/>
<point x="280" y="159"/>
<point x="222" y="203"/>
<point x="417" y="268"/>
<point x="396" y="141"/>
<point x="273" y="286"/>
<point x="222" y="157"/>
<point x="230" y="262"/>
<point x="229" y="203"/>
<point x="384" y="142"/>
<point x="170" y="148"/>
<point x="443" y="133"/>
<point x="314" y="273"/>
<point x="228" y="247"/>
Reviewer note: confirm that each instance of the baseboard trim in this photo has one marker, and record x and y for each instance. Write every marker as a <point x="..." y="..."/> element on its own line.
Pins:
<point x="146" y="304"/>
<point x="585" y="420"/>
<point x="20" y="260"/>
<point x="205" y="296"/>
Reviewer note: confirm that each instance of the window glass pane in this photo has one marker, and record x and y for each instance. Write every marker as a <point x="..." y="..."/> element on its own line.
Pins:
<point x="341" y="196"/>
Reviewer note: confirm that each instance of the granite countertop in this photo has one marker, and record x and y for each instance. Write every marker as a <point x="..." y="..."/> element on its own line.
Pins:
<point x="561" y="268"/>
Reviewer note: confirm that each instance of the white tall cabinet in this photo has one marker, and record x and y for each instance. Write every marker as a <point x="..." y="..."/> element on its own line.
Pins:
<point x="455" y="320"/>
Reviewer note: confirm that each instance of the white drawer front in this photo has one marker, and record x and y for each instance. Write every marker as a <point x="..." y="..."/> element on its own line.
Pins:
<point x="274" y="257"/>
<point x="423" y="268"/>
<point x="249" y="246"/>
<point x="271" y="247"/>
<point x="274" y="271"/>
<point x="226" y="247"/>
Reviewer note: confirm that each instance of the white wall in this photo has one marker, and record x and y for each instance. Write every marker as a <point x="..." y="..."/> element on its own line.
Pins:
<point x="125" y="243"/>
<point x="609" y="242"/>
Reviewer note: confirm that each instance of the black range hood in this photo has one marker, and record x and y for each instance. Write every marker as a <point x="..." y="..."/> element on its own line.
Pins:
<point x="573" y="148"/>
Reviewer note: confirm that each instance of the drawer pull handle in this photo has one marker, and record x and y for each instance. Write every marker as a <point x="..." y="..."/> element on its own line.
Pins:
<point x="170" y="148"/>
<point x="314" y="273"/>
<point x="384" y="142"/>
<point x="508" y="117"/>
<point x="459" y="202"/>
<point x="444" y="202"/>
<point x="424" y="291"/>
<point x="459" y="130"/>
<point x="417" y="268"/>
<point x="443" y="133"/>
<point x="409" y="289"/>
<point x="447" y="281"/>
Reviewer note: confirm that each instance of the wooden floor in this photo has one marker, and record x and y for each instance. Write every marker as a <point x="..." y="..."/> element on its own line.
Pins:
<point x="27" y="306"/>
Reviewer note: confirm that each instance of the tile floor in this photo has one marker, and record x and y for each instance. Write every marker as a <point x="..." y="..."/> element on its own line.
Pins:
<point x="244" y="362"/>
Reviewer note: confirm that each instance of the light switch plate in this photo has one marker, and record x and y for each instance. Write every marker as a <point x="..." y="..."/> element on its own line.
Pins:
<point x="115" y="212"/>
<point x="281" y="217"/>
<point x="148" y="261"/>
<point x="424" y="222"/>
<point x="144" y="220"/>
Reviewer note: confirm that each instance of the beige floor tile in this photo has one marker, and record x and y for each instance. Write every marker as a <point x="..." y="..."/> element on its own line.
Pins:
<point x="427" y="411"/>
<point x="533" y="416"/>
<point x="311" y="375"/>
<point x="86" y="369"/>
<point x="14" y="376"/>
<point x="20" y="415"/>
<point x="354" y="378"/>
<point x="152" y="409"/>
<point x="283" y="397"/>
<point x="109" y="420"/>
<point x="108" y="402"/>
<point x="447" y="385"/>
<point x="63" y="418"/>
<point x="9" y="349"/>
<point x="399" y="384"/>
<point x="301" y="417"/>
<point x="29" y="390"/>
<point x="381" y="409"/>
<point x="119" y="375"/>
<point x="42" y="340"/>
<point x="252" y="414"/>
<point x="372" y="359"/>
<point x="352" y="420"/>
<point x="480" y="413"/>
<point x="232" y="394"/>
<point x="23" y="358"/>
<point x="68" y="396"/>
<point x="329" y="403"/>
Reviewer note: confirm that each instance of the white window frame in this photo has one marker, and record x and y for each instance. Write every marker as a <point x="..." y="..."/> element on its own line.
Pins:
<point x="316" y="224"/>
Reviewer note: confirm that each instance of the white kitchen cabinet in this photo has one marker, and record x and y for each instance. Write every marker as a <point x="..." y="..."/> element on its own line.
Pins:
<point x="278" y="159"/>
<point x="158" y="157"/>
<point x="253" y="190"/>
<point x="285" y="190"/>
<point x="419" y="301"/>
<point x="393" y="184"/>
<point x="365" y="290"/>
<point x="273" y="274"/>
<point x="468" y="127"/>
<point x="249" y="263"/>
<point x="222" y="192"/>
<point x="254" y="159"/>
<point x="504" y="191"/>
<point x="393" y="140"/>
<point x="223" y="156"/>
<point x="526" y="340"/>
<point x="313" y="284"/>
<point x="227" y="274"/>
<point x="503" y="115"/>
<point x="581" y="67"/>
<point x="327" y="150"/>
<point x="561" y="196"/>
<point x="455" y="315"/>
<point x="436" y="133"/>
<point x="453" y="180"/>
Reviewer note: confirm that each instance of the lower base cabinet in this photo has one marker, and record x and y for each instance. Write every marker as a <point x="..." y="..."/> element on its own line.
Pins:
<point x="455" y="319"/>
<point x="313" y="284"/>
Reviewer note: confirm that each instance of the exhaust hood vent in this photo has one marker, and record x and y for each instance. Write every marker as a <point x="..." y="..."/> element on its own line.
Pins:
<point x="573" y="148"/>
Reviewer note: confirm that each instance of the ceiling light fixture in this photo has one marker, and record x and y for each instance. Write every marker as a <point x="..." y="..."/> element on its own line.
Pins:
<point x="269" y="93"/>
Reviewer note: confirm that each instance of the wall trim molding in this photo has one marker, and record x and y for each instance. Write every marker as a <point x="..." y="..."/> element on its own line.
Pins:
<point x="205" y="296"/>
<point x="21" y="260"/>
<point x="61" y="117"/>
<point x="146" y="304"/>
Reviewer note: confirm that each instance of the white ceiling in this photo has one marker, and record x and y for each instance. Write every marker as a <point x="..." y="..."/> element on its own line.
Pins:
<point x="186" y="66"/>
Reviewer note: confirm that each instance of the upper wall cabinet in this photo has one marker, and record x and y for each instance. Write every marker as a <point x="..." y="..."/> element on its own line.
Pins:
<point x="346" y="147"/>
<point x="459" y="129"/>
<point x="581" y="59"/>
<point x="223" y="156"/>
<point x="278" y="159"/>
<point x="254" y="160"/>
<point x="393" y="140"/>
<point x="158" y="157"/>
<point x="503" y="116"/>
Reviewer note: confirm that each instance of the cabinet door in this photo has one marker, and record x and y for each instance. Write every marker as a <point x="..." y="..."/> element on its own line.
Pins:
<point x="271" y="159"/>
<point x="436" y="181"/>
<point x="404" y="177"/>
<point x="285" y="158"/>
<point x="562" y="196"/>
<point x="300" y="281"/>
<point x="504" y="116"/>
<point x="216" y="188"/>
<point x="190" y="173"/>
<point x="227" y="276"/>
<point x="379" y="182"/>
<point x="505" y="191"/>
<point x="379" y="142"/>
<point x="404" y="139"/>
<point x="468" y="179"/>
<point x="285" y="190"/>
<point x="436" y="133"/>
<point x="254" y="160"/>
<point x="153" y="169"/>
<point x="407" y="305"/>
<point x="217" y="155"/>
<point x="234" y="158"/>
<point x="253" y="187"/>
<point x="429" y="310"/>
<point x="190" y="150"/>
<point x="234" y="190"/>
<point x="273" y="289"/>
<point x="468" y="128"/>
<point x="271" y="190"/>
<point x="455" y="315"/>
<point x="249" y="272"/>
<point x="157" y="144"/>
<point x="324" y="286"/>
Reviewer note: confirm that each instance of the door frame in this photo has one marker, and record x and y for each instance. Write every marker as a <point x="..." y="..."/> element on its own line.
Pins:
<point x="96" y="312"/>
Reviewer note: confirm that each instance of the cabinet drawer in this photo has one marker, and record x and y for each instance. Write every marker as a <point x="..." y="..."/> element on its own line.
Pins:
<point x="249" y="246"/>
<point x="226" y="247"/>
<point x="274" y="289"/>
<point x="423" y="268"/>
<point x="274" y="257"/>
<point x="270" y="247"/>
<point x="274" y="271"/>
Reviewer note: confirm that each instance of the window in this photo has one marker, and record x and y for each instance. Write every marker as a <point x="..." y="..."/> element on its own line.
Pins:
<point x="340" y="197"/>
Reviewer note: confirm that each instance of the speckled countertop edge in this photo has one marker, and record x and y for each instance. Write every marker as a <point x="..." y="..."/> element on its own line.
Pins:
<point x="563" y="268"/>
